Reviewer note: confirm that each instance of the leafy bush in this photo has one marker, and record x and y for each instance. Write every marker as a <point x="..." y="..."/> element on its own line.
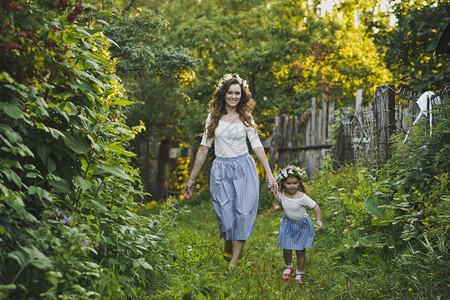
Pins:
<point x="401" y="209"/>
<point x="70" y="204"/>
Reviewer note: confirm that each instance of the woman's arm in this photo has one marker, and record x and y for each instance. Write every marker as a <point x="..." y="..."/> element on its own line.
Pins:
<point x="200" y="158"/>
<point x="316" y="211"/>
<point x="270" y="180"/>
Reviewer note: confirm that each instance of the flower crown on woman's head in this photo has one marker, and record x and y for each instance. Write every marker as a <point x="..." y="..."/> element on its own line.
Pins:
<point x="290" y="171"/>
<point x="232" y="75"/>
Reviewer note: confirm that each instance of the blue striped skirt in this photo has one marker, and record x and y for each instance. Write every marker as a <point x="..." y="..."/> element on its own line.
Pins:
<point x="234" y="185"/>
<point x="296" y="235"/>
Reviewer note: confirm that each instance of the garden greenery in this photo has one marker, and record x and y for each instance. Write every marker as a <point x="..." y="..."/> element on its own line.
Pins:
<point x="400" y="209"/>
<point x="70" y="222"/>
<point x="385" y="233"/>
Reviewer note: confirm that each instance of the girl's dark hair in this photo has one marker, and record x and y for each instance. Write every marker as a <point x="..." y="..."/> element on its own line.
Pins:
<point x="301" y="187"/>
<point x="217" y="106"/>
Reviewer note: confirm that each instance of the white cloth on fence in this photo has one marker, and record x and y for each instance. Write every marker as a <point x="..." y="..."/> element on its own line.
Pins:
<point x="426" y="102"/>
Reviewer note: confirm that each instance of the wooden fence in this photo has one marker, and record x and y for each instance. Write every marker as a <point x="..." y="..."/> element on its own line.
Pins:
<point x="363" y="131"/>
<point x="304" y="139"/>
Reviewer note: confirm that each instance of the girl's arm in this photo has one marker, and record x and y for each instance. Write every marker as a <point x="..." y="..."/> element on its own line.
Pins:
<point x="316" y="211"/>
<point x="270" y="180"/>
<point x="200" y="158"/>
<point x="276" y="194"/>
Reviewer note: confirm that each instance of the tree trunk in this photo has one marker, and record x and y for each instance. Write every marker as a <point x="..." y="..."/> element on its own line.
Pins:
<point x="163" y="161"/>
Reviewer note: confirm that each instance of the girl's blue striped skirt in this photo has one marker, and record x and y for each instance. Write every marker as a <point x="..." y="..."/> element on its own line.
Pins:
<point x="234" y="185"/>
<point x="296" y="235"/>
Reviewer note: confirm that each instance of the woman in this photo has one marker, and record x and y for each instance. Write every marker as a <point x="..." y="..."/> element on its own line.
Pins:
<point x="234" y="181"/>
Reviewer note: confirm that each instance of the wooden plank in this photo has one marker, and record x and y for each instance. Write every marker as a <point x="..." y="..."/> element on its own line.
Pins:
<point x="311" y="154"/>
<point x="313" y="121"/>
<point x="308" y="147"/>
<point x="359" y="93"/>
<point x="308" y="131"/>
<point x="284" y="139"/>
<point x="274" y="143"/>
<point x="331" y="106"/>
<point x="383" y="109"/>
<point x="323" y="135"/>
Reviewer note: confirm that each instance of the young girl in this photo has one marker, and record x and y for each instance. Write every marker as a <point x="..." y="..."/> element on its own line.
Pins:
<point x="296" y="229"/>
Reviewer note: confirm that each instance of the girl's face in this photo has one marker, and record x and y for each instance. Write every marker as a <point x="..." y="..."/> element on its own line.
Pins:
<point x="233" y="95"/>
<point x="291" y="184"/>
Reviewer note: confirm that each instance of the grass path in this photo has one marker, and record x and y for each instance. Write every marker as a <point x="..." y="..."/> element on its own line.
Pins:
<point x="200" y="272"/>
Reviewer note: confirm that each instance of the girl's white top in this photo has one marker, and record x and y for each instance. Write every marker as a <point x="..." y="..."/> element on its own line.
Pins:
<point x="230" y="138"/>
<point x="294" y="209"/>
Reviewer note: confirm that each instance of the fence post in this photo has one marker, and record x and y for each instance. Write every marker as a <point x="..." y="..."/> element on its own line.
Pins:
<point x="323" y="135"/>
<point x="384" y="113"/>
<point x="282" y="155"/>
<point x="358" y="100"/>
<point x="330" y="119"/>
<point x="274" y="142"/>
<point x="311" y="164"/>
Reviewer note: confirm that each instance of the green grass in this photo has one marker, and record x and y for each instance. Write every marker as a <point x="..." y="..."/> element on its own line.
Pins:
<point x="332" y="271"/>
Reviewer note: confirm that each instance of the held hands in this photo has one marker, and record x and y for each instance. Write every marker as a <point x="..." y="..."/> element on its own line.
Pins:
<point x="187" y="191"/>
<point x="271" y="183"/>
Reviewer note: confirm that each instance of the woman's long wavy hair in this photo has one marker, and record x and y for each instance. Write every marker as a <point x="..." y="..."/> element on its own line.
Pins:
<point x="217" y="106"/>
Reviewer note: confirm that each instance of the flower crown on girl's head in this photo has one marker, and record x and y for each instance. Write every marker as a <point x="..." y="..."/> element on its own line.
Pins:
<point x="232" y="75"/>
<point x="290" y="170"/>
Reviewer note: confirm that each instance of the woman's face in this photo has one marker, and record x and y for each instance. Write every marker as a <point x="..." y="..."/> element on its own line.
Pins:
<point x="291" y="184"/>
<point x="233" y="95"/>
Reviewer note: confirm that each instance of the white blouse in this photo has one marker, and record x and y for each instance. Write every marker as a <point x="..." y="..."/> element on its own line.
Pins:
<point x="230" y="138"/>
<point x="294" y="209"/>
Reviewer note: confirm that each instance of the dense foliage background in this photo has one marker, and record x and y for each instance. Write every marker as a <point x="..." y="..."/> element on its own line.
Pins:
<point x="94" y="95"/>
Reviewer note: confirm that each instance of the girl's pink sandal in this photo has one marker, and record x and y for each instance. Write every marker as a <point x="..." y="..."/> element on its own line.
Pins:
<point x="298" y="277"/>
<point x="287" y="273"/>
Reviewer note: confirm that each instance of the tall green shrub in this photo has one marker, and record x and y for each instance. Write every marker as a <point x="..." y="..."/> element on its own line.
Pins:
<point x="400" y="211"/>
<point x="69" y="200"/>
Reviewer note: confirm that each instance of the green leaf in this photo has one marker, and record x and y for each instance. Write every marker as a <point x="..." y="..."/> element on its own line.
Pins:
<point x="55" y="133"/>
<point x="37" y="258"/>
<point x="24" y="150"/>
<point x="10" y="134"/>
<point x="83" y="183"/>
<point x="60" y="185"/>
<point x="77" y="144"/>
<point x="43" y="151"/>
<point x="51" y="166"/>
<point x="99" y="204"/>
<point x="18" y="90"/>
<point x="86" y="76"/>
<point x="5" y="289"/>
<point x="86" y="45"/>
<point x="372" y="206"/>
<point x="121" y="101"/>
<point x="33" y="175"/>
<point x="19" y="257"/>
<point x="54" y="277"/>
<point x="100" y="59"/>
<point x="70" y="108"/>
<point x="12" y="176"/>
<point x="120" y="150"/>
<point x="376" y="208"/>
<point x="11" y="110"/>
<point x="93" y="64"/>
<point x="110" y="170"/>
<point x="141" y="262"/>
